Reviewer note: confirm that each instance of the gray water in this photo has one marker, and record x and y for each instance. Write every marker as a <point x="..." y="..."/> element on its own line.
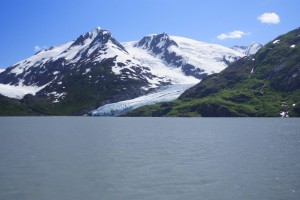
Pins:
<point x="82" y="158"/>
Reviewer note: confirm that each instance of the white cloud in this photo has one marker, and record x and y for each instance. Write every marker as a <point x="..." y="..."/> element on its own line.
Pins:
<point x="269" y="18"/>
<point x="231" y="35"/>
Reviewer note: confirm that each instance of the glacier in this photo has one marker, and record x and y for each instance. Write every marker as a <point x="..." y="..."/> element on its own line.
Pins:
<point x="163" y="94"/>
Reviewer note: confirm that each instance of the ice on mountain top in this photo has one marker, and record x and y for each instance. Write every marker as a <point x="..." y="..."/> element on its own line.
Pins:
<point x="276" y="41"/>
<point x="158" y="67"/>
<point x="71" y="52"/>
<point x="177" y="51"/>
<point x="156" y="43"/>
<point x="205" y="56"/>
<point x="95" y="31"/>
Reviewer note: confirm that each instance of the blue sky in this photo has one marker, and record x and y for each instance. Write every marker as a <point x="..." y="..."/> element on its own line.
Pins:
<point x="30" y="24"/>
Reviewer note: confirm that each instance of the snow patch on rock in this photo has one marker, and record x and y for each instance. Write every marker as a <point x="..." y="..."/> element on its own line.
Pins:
<point x="18" y="92"/>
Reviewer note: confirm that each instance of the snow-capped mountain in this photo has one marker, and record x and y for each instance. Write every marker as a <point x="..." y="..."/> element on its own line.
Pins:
<point x="48" y="67"/>
<point x="93" y="47"/>
<point x="248" y="50"/>
<point x="193" y="58"/>
<point x="95" y="69"/>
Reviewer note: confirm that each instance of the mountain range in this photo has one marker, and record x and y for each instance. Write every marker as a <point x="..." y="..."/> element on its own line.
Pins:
<point x="266" y="84"/>
<point x="95" y="70"/>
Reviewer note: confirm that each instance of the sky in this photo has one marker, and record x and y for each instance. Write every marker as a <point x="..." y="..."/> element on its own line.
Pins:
<point x="28" y="26"/>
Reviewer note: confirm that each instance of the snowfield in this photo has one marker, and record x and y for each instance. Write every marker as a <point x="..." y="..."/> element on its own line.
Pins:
<point x="164" y="94"/>
<point x="205" y="56"/>
<point x="18" y="92"/>
<point x="208" y="57"/>
<point x="158" y="67"/>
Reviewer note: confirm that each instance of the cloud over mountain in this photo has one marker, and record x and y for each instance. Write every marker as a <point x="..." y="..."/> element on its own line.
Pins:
<point x="231" y="35"/>
<point x="269" y="18"/>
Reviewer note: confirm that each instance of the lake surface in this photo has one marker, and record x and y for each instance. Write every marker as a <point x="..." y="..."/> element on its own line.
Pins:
<point x="87" y="158"/>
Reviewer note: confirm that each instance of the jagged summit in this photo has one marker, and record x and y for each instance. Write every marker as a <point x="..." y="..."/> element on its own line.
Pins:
<point x="157" y="43"/>
<point x="96" y="31"/>
<point x="91" y="35"/>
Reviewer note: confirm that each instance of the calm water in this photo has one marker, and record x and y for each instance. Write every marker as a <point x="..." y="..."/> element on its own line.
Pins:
<point x="75" y="158"/>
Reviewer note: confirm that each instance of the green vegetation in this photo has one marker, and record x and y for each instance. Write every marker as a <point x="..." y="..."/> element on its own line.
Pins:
<point x="9" y="106"/>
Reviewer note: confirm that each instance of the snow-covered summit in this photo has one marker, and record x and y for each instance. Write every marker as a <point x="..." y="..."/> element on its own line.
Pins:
<point x="156" y="43"/>
<point x="45" y="66"/>
<point x="194" y="58"/>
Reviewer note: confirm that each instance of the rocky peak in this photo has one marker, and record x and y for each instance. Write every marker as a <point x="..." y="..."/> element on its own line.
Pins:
<point x="98" y="34"/>
<point x="156" y="43"/>
<point x="98" y="37"/>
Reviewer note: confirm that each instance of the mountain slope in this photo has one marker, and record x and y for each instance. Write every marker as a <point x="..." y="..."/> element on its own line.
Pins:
<point x="265" y="84"/>
<point x="9" y="106"/>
